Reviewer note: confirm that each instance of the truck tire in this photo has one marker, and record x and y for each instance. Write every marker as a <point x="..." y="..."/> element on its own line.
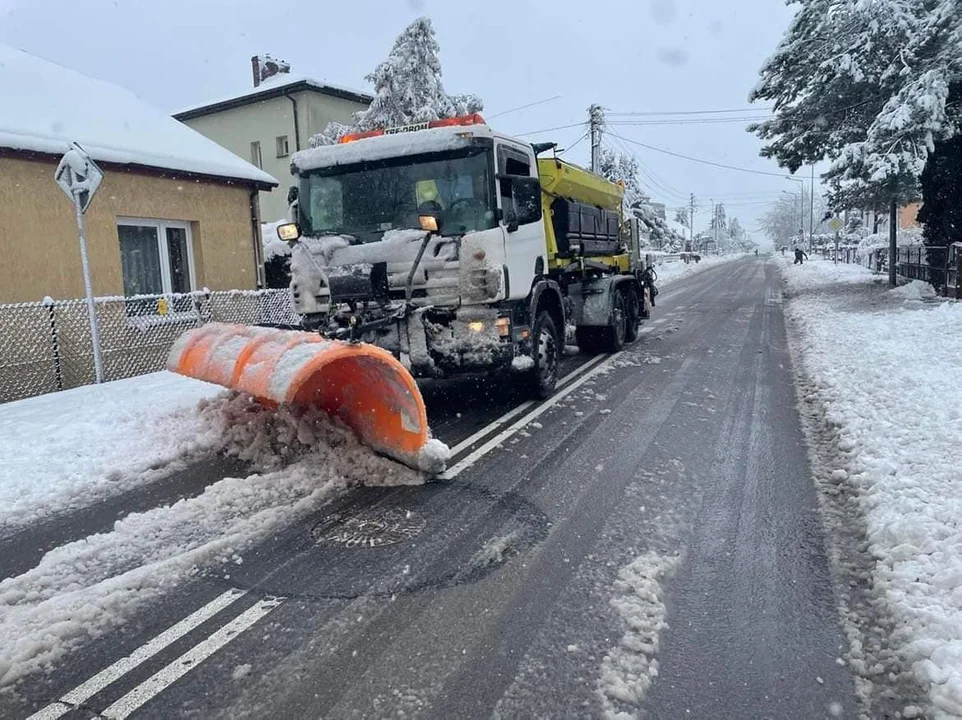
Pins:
<point x="634" y="315"/>
<point x="617" y="330"/>
<point x="543" y="377"/>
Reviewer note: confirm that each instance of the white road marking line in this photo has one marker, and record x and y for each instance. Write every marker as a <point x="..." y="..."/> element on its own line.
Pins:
<point x="514" y="412"/>
<point x="646" y="330"/>
<point x="109" y="675"/>
<point x="659" y="321"/>
<point x="472" y="458"/>
<point x="167" y="676"/>
<point x="51" y="712"/>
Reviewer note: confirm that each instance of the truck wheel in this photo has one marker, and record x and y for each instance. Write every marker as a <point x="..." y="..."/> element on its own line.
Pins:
<point x="618" y="328"/>
<point x="634" y="316"/>
<point x="544" y="375"/>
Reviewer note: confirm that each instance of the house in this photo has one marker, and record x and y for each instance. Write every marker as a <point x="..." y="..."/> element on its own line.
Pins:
<point x="175" y="211"/>
<point x="277" y="117"/>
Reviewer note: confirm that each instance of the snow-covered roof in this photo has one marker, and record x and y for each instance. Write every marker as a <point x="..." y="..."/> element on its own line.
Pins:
<point x="46" y="106"/>
<point x="388" y="146"/>
<point x="275" y="86"/>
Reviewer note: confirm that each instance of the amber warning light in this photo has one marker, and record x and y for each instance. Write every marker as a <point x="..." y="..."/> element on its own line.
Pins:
<point x="472" y="119"/>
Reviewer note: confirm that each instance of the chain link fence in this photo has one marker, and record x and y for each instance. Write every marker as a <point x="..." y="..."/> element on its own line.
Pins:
<point x="46" y="346"/>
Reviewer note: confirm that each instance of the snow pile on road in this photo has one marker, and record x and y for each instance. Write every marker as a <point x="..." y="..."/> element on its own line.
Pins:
<point x="628" y="669"/>
<point x="917" y="290"/>
<point x="669" y="272"/>
<point x="82" y="590"/>
<point x="888" y="372"/>
<point x="69" y="449"/>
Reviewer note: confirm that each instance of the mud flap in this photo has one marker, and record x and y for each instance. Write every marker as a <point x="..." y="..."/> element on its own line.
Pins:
<point x="360" y="384"/>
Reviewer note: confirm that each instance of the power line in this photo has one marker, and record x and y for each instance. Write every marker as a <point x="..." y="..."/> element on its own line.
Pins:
<point x="688" y="112"/>
<point x="522" y="107"/>
<point x="573" y="145"/>
<point x="560" y="127"/>
<point x="692" y="121"/>
<point x="665" y="188"/>
<point x="699" y="160"/>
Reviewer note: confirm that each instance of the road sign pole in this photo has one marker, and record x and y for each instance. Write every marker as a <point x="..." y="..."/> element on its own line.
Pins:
<point x="88" y="288"/>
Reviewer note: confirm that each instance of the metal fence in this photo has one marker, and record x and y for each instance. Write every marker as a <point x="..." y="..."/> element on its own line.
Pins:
<point x="46" y="346"/>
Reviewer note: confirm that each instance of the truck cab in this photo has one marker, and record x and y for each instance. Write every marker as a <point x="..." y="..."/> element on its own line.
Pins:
<point x="435" y="241"/>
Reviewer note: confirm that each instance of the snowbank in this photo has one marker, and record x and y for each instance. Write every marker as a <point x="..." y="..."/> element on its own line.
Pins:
<point x="69" y="449"/>
<point x="84" y="589"/>
<point x="887" y="369"/>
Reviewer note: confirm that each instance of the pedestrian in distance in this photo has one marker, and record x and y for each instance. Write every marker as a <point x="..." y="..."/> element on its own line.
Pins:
<point x="800" y="256"/>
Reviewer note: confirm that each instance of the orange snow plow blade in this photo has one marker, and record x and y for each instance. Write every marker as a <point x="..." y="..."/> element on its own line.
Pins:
<point x="362" y="385"/>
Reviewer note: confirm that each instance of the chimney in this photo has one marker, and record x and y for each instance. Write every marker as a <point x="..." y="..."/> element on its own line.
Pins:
<point x="265" y="66"/>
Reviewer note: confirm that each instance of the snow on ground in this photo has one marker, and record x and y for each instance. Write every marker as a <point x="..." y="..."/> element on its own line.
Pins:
<point x="84" y="589"/>
<point x="669" y="272"/>
<point x="68" y="449"/>
<point x="628" y="669"/>
<point x="887" y="369"/>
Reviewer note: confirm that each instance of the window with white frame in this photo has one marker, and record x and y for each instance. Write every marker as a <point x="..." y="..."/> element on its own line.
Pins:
<point x="156" y="256"/>
<point x="256" y="158"/>
<point x="283" y="148"/>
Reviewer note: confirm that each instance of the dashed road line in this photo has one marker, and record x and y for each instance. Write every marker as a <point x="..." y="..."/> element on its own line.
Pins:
<point x="109" y="675"/>
<point x="494" y="442"/>
<point x="164" y="678"/>
<point x="514" y="412"/>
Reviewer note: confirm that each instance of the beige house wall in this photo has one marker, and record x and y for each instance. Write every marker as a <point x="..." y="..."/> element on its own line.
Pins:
<point x="264" y="121"/>
<point x="40" y="256"/>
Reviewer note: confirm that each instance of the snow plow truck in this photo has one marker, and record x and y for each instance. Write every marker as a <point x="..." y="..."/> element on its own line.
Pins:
<point x="432" y="250"/>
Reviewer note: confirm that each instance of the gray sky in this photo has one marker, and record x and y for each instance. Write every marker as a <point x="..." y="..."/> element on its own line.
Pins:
<point x="641" y="56"/>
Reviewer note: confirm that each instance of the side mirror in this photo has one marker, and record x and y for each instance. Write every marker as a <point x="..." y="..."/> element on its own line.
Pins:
<point x="288" y="232"/>
<point x="526" y="192"/>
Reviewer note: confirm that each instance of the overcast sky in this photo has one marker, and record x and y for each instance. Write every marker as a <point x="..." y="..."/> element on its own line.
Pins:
<point x="640" y="56"/>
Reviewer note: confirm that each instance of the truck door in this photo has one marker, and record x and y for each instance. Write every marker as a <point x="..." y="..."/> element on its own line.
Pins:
<point x="525" y="250"/>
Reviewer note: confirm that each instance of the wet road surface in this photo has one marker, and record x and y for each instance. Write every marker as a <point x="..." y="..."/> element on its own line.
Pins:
<point x="491" y="594"/>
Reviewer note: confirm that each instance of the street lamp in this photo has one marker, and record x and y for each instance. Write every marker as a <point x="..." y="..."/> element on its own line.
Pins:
<point x="801" y="209"/>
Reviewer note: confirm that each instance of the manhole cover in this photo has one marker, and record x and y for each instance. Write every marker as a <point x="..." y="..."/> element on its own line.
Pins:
<point x="368" y="529"/>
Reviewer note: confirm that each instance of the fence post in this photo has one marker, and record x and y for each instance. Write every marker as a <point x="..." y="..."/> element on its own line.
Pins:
<point x="54" y="341"/>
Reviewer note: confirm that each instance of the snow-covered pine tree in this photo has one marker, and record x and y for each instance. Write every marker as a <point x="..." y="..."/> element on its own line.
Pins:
<point x="407" y="87"/>
<point x="864" y="84"/>
<point x="623" y="168"/>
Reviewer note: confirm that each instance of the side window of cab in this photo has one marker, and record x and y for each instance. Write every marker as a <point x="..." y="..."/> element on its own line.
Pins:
<point x="511" y="161"/>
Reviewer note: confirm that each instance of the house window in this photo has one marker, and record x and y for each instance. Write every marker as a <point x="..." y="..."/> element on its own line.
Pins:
<point x="282" y="147"/>
<point x="256" y="158"/>
<point x="156" y="259"/>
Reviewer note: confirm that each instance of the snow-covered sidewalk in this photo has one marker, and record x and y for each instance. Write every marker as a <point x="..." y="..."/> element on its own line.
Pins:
<point x="71" y="448"/>
<point x="887" y="369"/>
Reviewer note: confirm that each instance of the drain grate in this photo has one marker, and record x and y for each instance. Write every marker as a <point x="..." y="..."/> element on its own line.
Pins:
<point x="369" y="528"/>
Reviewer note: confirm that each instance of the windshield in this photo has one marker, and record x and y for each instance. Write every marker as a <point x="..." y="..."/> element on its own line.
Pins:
<point x="365" y="201"/>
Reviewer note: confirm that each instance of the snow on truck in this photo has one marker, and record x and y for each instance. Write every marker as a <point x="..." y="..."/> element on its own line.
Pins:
<point x="432" y="250"/>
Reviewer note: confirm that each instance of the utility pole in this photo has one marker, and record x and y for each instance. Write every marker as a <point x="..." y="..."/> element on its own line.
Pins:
<point x="712" y="226"/>
<point x="691" y="223"/>
<point x="596" y="121"/>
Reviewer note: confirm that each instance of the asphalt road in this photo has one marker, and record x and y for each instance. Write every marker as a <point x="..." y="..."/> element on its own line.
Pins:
<point x="490" y="594"/>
